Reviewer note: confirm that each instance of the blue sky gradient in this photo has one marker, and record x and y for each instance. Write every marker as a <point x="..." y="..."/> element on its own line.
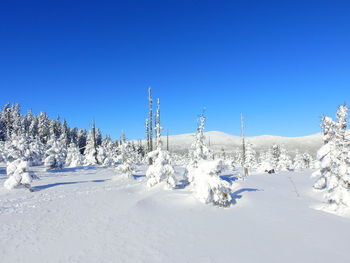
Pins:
<point x="281" y="63"/>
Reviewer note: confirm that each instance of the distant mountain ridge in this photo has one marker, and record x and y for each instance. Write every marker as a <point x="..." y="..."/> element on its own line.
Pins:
<point x="230" y="143"/>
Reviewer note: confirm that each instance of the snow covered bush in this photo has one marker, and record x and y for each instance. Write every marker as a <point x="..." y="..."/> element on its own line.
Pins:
<point x="208" y="186"/>
<point x="18" y="175"/>
<point x="161" y="170"/>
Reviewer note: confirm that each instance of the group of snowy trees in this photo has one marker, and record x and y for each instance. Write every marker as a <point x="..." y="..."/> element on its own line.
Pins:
<point x="30" y="140"/>
<point x="333" y="174"/>
<point x="201" y="174"/>
<point x="275" y="158"/>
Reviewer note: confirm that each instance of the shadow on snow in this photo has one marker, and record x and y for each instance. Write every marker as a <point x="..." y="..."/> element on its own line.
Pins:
<point x="43" y="187"/>
<point x="73" y="169"/>
<point x="229" y="177"/>
<point x="237" y="194"/>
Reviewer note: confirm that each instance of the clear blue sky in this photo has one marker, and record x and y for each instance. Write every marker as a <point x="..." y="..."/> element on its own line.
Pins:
<point x="281" y="63"/>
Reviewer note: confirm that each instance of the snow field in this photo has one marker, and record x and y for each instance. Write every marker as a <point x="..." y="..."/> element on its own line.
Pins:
<point x="81" y="215"/>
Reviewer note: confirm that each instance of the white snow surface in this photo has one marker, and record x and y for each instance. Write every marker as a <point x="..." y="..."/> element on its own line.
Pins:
<point x="81" y="215"/>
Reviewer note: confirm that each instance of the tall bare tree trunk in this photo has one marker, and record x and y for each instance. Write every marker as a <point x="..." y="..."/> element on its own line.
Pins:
<point x="94" y="141"/>
<point x="243" y="148"/>
<point x="150" y="124"/>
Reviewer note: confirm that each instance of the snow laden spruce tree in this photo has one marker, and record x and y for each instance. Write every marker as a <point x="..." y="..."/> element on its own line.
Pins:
<point x="19" y="176"/>
<point x="105" y="152"/>
<point x="91" y="151"/>
<point x="56" y="153"/>
<point x="334" y="160"/>
<point x="125" y="159"/>
<point x="298" y="163"/>
<point x="17" y="155"/>
<point x="198" y="151"/>
<point x="250" y="156"/>
<point x="74" y="157"/>
<point x="161" y="170"/>
<point x="204" y="175"/>
<point x="266" y="161"/>
<point x="285" y="162"/>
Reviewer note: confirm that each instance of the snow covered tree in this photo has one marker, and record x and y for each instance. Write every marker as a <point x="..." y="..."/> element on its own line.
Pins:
<point x="81" y="140"/>
<point x="19" y="177"/>
<point x="98" y="137"/>
<point x="334" y="160"/>
<point x="276" y="152"/>
<point x="16" y="120"/>
<point x="36" y="152"/>
<point x="199" y="150"/>
<point x="298" y="162"/>
<point x="55" y="155"/>
<point x="284" y="162"/>
<point x="267" y="161"/>
<point x="208" y="186"/>
<point x="250" y="156"/>
<point x="125" y="160"/>
<point x="74" y="157"/>
<point x="91" y="147"/>
<point x="105" y="152"/>
<point x="33" y="130"/>
<point x="26" y="123"/>
<point x="161" y="170"/>
<point x="324" y="154"/>
<point x="43" y="127"/>
<point x="17" y="147"/>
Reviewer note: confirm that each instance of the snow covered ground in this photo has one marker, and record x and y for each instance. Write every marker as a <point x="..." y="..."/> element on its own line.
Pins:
<point x="81" y="215"/>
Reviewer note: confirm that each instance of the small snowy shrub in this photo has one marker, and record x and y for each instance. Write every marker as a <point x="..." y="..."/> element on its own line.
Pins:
<point x="207" y="184"/>
<point x="161" y="170"/>
<point x="18" y="175"/>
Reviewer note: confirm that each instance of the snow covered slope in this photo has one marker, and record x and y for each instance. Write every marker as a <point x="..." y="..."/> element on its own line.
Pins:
<point x="80" y="215"/>
<point x="219" y="140"/>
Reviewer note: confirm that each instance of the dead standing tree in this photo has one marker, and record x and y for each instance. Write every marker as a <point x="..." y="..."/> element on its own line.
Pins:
<point x="245" y="169"/>
<point x="93" y="134"/>
<point x="150" y="125"/>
